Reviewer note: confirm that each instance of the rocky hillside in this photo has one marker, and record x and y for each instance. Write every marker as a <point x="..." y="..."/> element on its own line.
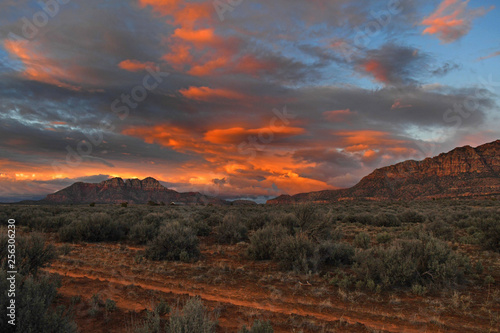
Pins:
<point x="117" y="190"/>
<point x="462" y="172"/>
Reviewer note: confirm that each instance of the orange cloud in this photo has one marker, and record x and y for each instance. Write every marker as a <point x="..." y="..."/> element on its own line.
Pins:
<point x="194" y="45"/>
<point x="238" y="134"/>
<point x="207" y="94"/>
<point x="209" y="67"/>
<point x="367" y="139"/>
<point x="165" y="135"/>
<point x="179" y="55"/>
<point x="252" y="65"/>
<point x="337" y="115"/>
<point x="452" y="20"/>
<point x="398" y="105"/>
<point x="195" y="36"/>
<point x="376" y="69"/>
<point x="38" y="67"/>
<point x="165" y="7"/>
<point x="135" y="65"/>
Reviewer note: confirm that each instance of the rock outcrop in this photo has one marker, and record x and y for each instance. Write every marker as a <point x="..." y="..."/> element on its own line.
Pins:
<point x="134" y="191"/>
<point x="462" y="172"/>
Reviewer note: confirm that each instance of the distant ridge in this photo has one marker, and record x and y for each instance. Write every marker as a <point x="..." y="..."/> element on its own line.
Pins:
<point x="117" y="190"/>
<point x="462" y="172"/>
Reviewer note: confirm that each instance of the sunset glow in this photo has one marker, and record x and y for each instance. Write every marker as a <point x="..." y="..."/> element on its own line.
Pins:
<point x="258" y="100"/>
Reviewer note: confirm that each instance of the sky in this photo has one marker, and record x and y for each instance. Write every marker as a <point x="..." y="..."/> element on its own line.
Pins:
<point x="239" y="98"/>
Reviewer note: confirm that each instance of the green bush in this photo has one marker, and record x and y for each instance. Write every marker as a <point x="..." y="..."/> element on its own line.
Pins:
<point x="332" y="254"/>
<point x="194" y="317"/>
<point x="110" y="305"/>
<point x="387" y="220"/>
<point x="296" y="253"/>
<point x="384" y="238"/>
<point x="231" y="230"/>
<point x="411" y="216"/>
<point x="288" y="221"/>
<point x="258" y="327"/>
<point x="32" y="253"/>
<point x="264" y="242"/>
<point x="440" y="229"/>
<point x="173" y="240"/>
<point x="95" y="227"/>
<point x="35" y="293"/>
<point x="201" y="227"/>
<point x="362" y="240"/>
<point x="312" y="223"/>
<point x="141" y="233"/>
<point x="424" y="261"/>
<point x="490" y="238"/>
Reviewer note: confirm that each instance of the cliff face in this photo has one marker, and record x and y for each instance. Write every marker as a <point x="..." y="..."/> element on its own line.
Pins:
<point x="135" y="191"/>
<point x="462" y="172"/>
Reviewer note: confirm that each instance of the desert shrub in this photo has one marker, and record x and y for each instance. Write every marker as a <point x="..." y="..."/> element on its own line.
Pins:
<point x="387" y="220"/>
<point x="35" y="293"/>
<point x="440" y="229"/>
<point x="194" y="317"/>
<point x="257" y="221"/>
<point x="364" y="218"/>
<point x="95" y="303"/>
<point x="263" y="242"/>
<point x="147" y="229"/>
<point x="201" y="227"/>
<point x="306" y="214"/>
<point x="311" y="222"/>
<point x="141" y="233"/>
<point x="383" y="238"/>
<point x="411" y="216"/>
<point x="231" y="230"/>
<point x="153" y="218"/>
<point x="151" y="324"/>
<point x="424" y="261"/>
<point x="162" y="307"/>
<point x="173" y="240"/>
<point x="337" y="234"/>
<point x="362" y="240"/>
<point x="34" y="312"/>
<point x="288" y="221"/>
<point x="490" y="238"/>
<point x="332" y="254"/>
<point x="258" y="327"/>
<point x="95" y="227"/>
<point x="296" y="253"/>
<point x="32" y="253"/>
<point x="110" y="305"/>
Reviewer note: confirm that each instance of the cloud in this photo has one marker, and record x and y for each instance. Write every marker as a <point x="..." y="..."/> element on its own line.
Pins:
<point x="492" y="55"/>
<point x="238" y="135"/>
<point x="135" y="65"/>
<point x="445" y="69"/>
<point x="399" y="105"/>
<point x="338" y="115"/>
<point x="207" y="94"/>
<point x="452" y="20"/>
<point x="229" y="83"/>
<point x="393" y="64"/>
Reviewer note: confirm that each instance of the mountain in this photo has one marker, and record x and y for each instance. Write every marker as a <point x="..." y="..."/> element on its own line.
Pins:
<point x="117" y="190"/>
<point x="462" y="172"/>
